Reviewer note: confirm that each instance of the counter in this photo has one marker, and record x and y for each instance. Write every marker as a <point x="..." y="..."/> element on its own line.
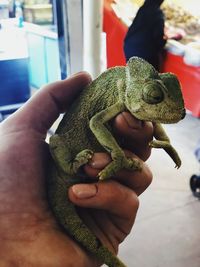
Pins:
<point x="29" y="57"/>
<point x="14" y="76"/>
<point x="43" y="51"/>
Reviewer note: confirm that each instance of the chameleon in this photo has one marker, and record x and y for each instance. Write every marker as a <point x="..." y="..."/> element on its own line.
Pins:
<point x="86" y="128"/>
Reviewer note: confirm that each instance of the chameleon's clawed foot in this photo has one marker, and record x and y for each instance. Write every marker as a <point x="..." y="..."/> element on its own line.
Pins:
<point x="116" y="165"/>
<point x="105" y="174"/>
<point x="178" y="163"/>
<point x="82" y="158"/>
<point x="152" y="144"/>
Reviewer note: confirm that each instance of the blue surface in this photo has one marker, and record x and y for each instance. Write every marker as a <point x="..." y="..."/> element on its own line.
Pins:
<point x="44" y="65"/>
<point x="52" y="60"/>
<point x="14" y="85"/>
<point x="37" y="62"/>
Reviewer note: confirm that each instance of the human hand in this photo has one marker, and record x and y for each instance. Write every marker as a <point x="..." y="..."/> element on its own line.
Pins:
<point x="28" y="230"/>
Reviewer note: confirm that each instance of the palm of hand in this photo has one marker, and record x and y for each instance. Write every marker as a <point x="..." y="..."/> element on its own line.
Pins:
<point x="27" y="224"/>
<point x="30" y="219"/>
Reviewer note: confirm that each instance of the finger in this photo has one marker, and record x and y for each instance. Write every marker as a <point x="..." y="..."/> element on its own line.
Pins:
<point x="136" y="180"/>
<point x="45" y="106"/>
<point x="111" y="229"/>
<point x="102" y="226"/>
<point x="134" y="133"/>
<point x="111" y="196"/>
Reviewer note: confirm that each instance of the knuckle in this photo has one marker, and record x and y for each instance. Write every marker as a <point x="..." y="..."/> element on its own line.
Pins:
<point x="134" y="202"/>
<point x="130" y="204"/>
<point x="148" y="175"/>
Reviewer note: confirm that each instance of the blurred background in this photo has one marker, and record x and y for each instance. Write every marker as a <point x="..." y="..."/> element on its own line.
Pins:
<point x="42" y="41"/>
<point x="47" y="40"/>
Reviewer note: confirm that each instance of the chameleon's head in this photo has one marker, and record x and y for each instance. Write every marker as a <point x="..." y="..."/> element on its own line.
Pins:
<point x="152" y="96"/>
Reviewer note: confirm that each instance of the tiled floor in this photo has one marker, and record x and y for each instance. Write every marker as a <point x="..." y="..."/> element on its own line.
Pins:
<point x="167" y="229"/>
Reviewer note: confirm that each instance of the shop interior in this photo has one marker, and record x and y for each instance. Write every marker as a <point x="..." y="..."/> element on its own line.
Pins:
<point x="166" y="229"/>
<point x="32" y="27"/>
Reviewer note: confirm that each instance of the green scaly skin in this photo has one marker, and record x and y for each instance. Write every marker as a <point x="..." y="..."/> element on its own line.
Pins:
<point x="85" y="129"/>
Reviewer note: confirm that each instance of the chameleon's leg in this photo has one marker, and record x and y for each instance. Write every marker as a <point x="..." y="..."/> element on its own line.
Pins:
<point x="105" y="138"/>
<point x="62" y="156"/>
<point x="163" y="141"/>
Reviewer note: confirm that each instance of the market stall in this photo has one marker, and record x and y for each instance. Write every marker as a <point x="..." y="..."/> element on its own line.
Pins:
<point x="182" y="54"/>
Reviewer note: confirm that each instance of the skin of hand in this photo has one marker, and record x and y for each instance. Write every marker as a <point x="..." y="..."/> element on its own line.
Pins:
<point x="29" y="233"/>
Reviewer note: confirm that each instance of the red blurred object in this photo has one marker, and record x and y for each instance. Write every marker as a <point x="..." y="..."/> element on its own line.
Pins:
<point x="115" y="34"/>
<point x="174" y="33"/>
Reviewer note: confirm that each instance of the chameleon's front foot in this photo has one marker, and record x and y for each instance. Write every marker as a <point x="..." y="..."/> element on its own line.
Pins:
<point x="82" y="158"/>
<point x="118" y="164"/>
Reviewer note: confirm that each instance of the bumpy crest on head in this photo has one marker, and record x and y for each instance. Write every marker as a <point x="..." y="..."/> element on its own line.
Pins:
<point x="140" y="69"/>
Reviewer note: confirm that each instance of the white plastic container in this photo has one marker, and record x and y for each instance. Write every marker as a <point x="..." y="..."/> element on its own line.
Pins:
<point x="175" y="47"/>
<point x="4" y="10"/>
<point x="192" y="54"/>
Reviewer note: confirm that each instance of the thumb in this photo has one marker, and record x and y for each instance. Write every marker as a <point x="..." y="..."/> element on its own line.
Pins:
<point x="45" y="106"/>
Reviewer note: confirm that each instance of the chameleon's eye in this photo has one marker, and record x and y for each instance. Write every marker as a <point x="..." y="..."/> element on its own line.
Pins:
<point x="153" y="93"/>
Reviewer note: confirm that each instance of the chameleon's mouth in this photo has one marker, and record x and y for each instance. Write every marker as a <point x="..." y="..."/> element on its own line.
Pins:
<point x="166" y="118"/>
<point x="183" y="114"/>
<point x="172" y="118"/>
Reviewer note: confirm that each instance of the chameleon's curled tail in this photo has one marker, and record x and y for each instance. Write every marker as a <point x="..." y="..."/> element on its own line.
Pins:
<point x="66" y="215"/>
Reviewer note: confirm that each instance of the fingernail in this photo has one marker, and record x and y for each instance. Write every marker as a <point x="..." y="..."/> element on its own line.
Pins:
<point x="81" y="73"/>
<point x="99" y="160"/>
<point x="84" y="190"/>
